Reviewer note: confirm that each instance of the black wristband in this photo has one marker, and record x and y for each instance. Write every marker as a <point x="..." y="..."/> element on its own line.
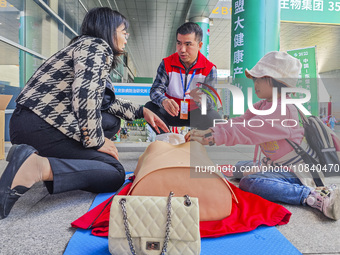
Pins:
<point x="210" y="138"/>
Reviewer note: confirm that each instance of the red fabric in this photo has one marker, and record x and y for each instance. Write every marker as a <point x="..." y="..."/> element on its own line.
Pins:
<point x="250" y="212"/>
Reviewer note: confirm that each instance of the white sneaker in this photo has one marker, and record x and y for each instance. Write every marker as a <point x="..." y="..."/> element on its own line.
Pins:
<point x="327" y="200"/>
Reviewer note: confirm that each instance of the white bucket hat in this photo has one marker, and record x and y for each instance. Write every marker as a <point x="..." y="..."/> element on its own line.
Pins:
<point x="278" y="65"/>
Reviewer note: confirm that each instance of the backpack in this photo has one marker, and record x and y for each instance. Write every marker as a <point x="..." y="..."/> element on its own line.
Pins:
<point x="324" y="142"/>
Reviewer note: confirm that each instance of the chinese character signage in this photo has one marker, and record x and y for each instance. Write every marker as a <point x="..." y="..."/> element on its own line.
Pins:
<point x="132" y="91"/>
<point x="308" y="79"/>
<point x="314" y="11"/>
<point x="238" y="39"/>
<point x="254" y="32"/>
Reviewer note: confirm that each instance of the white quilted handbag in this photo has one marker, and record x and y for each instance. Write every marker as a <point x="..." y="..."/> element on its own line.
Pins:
<point x="154" y="225"/>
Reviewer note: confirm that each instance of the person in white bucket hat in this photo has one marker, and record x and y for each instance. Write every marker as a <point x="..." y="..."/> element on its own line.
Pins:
<point x="278" y="65"/>
<point x="275" y="177"/>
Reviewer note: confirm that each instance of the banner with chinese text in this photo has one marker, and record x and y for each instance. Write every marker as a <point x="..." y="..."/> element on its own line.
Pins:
<point x="311" y="11"/>
<point x="255" y="30"/>
<point x="308" y="79"/>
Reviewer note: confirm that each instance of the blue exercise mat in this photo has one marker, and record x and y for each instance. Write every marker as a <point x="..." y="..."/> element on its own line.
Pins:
<point x="261" y="241"/>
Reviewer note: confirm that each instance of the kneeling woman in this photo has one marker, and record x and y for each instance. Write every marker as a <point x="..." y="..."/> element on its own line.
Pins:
<point x="66" y="115"/>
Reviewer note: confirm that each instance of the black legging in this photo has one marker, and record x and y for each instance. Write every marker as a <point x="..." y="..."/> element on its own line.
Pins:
<point x="74" y="167"/>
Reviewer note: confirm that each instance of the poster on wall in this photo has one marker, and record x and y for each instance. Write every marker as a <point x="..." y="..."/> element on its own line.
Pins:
<point x="308" y="76"/>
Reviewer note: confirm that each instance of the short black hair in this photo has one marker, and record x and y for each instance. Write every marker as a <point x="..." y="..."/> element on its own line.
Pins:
<point x="190" y="27"/>
<point x="102" y="23"/>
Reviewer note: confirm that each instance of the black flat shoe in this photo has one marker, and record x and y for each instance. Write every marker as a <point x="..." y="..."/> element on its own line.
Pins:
<point x="17" y="155"/>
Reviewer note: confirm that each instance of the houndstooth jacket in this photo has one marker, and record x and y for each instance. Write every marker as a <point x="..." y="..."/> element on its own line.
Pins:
<point x="67" y="91"/>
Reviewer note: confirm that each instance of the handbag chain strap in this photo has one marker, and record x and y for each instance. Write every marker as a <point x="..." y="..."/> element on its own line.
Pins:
<point x="168" y="223"/>
<point x="167" y="226"/>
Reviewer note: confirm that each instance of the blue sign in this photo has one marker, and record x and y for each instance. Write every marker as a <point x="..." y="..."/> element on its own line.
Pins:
<point x="132" y="90"/>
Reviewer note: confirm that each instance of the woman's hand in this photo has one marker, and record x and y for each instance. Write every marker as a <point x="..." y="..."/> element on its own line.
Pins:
<point x="154" y="120"/>
<point x="109" y="147"/>
<point x="202" y="136"/>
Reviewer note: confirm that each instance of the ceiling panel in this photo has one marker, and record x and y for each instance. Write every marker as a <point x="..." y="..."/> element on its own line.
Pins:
<point x="153" y="28"/>
<point x="326" y="38"/>
<point x="153" y="25"/>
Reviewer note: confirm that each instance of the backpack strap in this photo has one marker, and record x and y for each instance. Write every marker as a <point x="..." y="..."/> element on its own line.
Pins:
<point x="308" y="160"/>
<point x="303" y="117"/>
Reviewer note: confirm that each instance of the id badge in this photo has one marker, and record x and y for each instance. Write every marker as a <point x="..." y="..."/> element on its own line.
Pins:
<point x="184" y="110"/>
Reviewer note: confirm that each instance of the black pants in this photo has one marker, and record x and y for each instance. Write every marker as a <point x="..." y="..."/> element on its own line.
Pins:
<point x="74" y="167"/>
<point x="195" y="118"/>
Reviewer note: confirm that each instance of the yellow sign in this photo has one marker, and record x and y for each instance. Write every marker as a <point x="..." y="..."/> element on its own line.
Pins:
<point x="4" y="4"/>
<point x="222" y="10"/>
